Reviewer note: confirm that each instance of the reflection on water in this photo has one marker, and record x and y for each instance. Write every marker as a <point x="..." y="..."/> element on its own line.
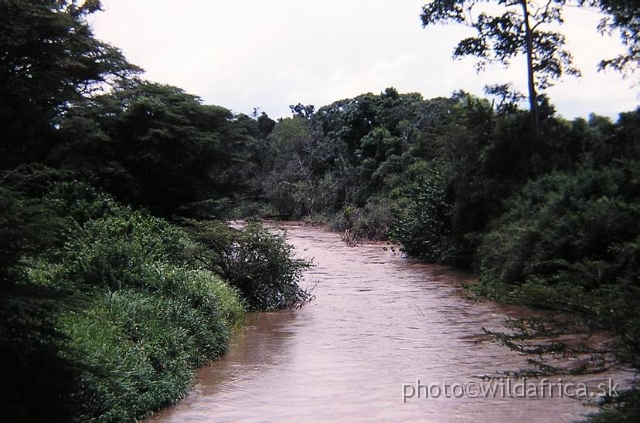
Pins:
<point x="378" y="322"/>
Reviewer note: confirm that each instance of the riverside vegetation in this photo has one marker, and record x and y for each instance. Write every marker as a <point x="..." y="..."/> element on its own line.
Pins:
<point x="118" y="277"/>
<point x="107" y="310"/>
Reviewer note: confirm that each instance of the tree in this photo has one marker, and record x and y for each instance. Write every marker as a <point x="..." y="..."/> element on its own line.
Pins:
<point x="622" y="15"/>
<point x="48" y="59"/>
<point x="303" y="111"/>
<point x="290" y="182"/>
<point x="517" y="27"/>
<point x="155" y="146"/>
<point x="265" y="125"/>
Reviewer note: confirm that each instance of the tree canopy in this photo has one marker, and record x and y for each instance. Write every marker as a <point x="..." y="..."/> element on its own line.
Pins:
<point x="48" y="60"/>
<point x="623" y="16"/>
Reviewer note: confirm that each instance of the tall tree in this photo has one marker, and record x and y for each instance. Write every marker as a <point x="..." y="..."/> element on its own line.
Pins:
<point x="515" y="27"/>
<point x="48" y="59"/>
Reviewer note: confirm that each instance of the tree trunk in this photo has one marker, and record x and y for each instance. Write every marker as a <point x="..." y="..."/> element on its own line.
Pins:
<point x="533" y="96"/>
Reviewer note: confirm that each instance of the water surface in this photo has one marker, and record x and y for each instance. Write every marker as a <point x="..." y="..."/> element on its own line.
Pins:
<point x="379" y="321"/>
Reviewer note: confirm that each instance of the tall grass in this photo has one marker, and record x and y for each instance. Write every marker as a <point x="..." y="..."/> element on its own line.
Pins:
<point x="155" y="317"/>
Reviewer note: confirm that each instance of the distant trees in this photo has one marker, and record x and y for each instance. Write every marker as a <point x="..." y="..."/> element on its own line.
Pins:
<point x="156" y="146"/>
<point x="68" y="100"/>
<point x="290" y="182"/>
<point x="303" y="111"/>
<point x="153" y="145"/>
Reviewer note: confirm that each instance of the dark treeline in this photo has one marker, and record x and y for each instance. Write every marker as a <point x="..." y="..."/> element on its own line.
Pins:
<point x="117" y="277"/>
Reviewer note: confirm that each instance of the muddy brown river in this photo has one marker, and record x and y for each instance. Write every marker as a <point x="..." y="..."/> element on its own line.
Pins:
<point x="379" y="324"/>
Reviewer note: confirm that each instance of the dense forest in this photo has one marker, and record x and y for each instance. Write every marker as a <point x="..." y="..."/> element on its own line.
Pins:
<point x="118" y="276"/>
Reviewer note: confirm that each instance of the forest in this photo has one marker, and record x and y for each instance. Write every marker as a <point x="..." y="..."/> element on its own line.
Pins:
<point x="118" y="275"/>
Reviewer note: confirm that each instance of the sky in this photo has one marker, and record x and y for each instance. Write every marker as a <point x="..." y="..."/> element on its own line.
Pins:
<point x="247" y="54"/>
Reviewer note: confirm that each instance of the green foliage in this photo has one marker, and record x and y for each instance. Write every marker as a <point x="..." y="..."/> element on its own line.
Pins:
<point x="256" y="262"/>
<point x="372" y="222"/>
<point x="290" y="183"/>
<point x="159" y="316"/>
<point x="156" y="146"/>
<point x="103" y="305"/>
<point x="591" y="216"/>
<point x="623" y="16"/>
<point x="422" y="223"/>
<point x="570" y="242"/>
<point x="144" y="345"/>
<point x="261" y="266"/>
<point x="115" y="251"/>
<point x="49" y="60"/>
<point x="139" y="353"/>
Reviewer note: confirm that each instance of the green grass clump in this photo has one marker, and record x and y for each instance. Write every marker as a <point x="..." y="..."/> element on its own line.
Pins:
<point x="154" y="319"/>
<point x="138" y="351"/>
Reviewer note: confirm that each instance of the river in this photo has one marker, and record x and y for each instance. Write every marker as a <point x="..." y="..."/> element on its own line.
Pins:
<point x="379" y="324"/>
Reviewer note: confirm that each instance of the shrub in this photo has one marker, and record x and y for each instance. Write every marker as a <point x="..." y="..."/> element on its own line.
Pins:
<point x="156" y="320"/>
<point x="126" y="312"/>
<point x="572" y="242"/>
<point x="261" y="266"/>
<point x="139" y="351"/>
<point x="256" y="262"/>
<point x="422" y="224"/>
<point x="119" y="250"/>
<point x="372" y="222"/>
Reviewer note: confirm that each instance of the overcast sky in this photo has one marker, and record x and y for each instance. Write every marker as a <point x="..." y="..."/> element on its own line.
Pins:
<point x="243" y="54"/>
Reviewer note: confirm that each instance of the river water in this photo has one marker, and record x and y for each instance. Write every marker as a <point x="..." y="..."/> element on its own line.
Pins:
<point x="378" y="325"/>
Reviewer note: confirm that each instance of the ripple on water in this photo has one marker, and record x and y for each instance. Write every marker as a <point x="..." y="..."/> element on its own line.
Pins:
<point x="378" y="321"/>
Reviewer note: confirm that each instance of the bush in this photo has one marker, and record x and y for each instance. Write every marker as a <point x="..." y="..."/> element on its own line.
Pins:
<point x="422" y="221"/>
<point x="139" y="351"/>
<point x="119" y="250"/>
<point x="256" y="262"/>
<point x="372" y="222"/>
<point x="572" y="242"/>
<point x="156" y="320"/>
